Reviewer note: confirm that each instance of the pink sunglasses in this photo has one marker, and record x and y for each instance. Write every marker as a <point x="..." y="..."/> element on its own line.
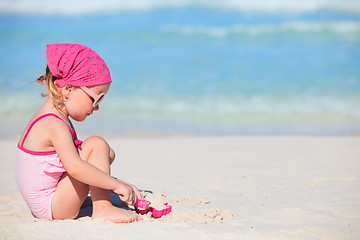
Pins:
<point x="97" y="98"/>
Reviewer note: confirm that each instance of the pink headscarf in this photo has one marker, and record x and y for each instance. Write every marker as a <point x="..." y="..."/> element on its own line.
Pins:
<point x="76" y="65"/>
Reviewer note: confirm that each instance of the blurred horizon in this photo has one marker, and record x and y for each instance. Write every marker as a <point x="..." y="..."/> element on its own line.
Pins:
<point x="194" y="67"/>
<point x="75" y="7"/>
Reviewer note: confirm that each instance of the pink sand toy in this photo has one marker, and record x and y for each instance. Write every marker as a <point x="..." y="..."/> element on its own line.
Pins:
<point x="142" y="206"/>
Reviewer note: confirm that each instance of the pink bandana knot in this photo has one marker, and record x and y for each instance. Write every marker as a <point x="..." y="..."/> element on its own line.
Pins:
<point x="76" y="65"/>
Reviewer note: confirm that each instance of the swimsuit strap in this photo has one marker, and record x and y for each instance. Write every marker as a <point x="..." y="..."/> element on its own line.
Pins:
<point x="41" y="117"/>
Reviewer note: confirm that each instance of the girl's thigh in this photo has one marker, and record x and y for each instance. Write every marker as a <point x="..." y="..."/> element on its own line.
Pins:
<point x="70" y="193"/>
<point x="68" y="198"/>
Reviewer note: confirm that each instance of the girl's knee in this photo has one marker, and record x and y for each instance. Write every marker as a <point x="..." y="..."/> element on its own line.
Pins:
<point x="96" y="142"/>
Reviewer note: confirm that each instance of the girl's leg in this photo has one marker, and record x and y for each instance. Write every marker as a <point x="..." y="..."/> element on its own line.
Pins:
<point x="70" y="193"/>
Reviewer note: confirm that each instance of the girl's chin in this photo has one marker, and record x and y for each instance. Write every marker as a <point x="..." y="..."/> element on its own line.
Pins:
<point x="79" y="118"/>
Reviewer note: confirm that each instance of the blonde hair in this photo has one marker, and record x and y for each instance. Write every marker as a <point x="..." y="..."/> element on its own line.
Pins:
<point x="54" y="91"/>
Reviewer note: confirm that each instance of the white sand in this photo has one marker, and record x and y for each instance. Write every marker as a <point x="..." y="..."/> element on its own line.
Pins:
<point x="275" y="187"/>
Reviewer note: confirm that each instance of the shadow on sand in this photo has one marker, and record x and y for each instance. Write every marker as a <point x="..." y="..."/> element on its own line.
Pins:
<point x="86" y="207"/>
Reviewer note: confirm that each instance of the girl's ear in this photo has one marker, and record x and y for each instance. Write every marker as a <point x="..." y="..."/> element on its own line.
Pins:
<point x="67" y="92"/>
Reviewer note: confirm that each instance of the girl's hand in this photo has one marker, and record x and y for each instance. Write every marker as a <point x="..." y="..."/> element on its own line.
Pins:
<point x="126" y="193"/>
<point x="137" y="191"/>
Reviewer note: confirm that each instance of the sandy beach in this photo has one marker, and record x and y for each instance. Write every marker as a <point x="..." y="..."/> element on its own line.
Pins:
<point x="259" y="187"/>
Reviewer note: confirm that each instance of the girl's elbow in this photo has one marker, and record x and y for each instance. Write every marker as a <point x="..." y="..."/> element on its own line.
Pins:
<point x="74" y="170"/>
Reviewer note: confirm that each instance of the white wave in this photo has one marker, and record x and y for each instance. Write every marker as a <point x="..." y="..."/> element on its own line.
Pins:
<point x="301" y="114"/>
<point x="305" y="105"/>
<point x="239" y="108"/>
<point x="345" y="27"/>
<point x="94" y="6"/>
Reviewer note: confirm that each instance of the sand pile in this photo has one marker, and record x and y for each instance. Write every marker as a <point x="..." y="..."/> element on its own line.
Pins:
<point x="187" y="209"/>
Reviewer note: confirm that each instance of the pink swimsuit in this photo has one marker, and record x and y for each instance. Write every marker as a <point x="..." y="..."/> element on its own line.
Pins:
<point x="38" y="173"/>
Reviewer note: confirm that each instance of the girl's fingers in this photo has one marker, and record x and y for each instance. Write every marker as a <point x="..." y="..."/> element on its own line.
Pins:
<point x="137" y="192"/>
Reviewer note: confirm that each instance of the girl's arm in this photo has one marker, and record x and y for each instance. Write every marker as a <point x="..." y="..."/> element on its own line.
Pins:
<point x="81" y="170"/>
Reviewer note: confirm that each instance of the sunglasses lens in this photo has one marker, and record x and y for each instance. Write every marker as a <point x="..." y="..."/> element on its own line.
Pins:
<point x="99" y="100"/>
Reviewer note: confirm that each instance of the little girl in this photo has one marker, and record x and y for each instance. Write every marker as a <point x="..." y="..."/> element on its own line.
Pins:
<point x="54" y="170"/>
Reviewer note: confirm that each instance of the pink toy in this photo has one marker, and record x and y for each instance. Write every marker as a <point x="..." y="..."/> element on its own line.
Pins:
<point x="142" y="206"/>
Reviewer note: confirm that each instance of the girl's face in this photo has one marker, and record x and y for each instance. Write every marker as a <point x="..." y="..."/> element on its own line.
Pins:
<point x="80" y="104"/>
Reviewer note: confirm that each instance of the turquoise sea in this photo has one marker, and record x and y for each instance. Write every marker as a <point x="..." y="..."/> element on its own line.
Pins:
<point x="194" y="67"/>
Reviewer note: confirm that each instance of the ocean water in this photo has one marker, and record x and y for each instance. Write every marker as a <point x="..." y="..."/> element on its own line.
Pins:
<point x="194" y="67"/>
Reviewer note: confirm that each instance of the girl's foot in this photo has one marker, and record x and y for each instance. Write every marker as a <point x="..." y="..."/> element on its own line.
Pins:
<point x="115" y="214"/>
